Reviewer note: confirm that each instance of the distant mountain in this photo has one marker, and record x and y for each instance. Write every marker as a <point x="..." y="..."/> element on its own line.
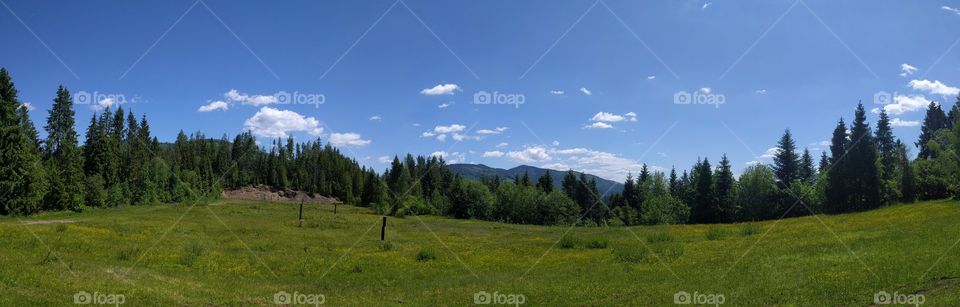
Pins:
<point x="475" y="171"/>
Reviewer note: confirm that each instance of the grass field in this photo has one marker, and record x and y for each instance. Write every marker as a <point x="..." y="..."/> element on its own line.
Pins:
<point x="243" y="253"/>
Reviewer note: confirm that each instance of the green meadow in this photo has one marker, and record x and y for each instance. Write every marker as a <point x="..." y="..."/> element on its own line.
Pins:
<point x="245" y="253"/>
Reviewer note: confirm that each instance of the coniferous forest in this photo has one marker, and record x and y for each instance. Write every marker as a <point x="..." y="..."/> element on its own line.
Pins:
<point x="119" y="163"/>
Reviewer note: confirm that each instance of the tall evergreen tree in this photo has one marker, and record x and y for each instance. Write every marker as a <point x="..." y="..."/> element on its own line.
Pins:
<point x="62" y="156"/>
<point x="889" y="159"/>
<point x="786" y="164"/>
<point x="22" y="184"/>
<point x="725" y="186"/>
<point x="934" y="120"/>
<point x="954" y="115"/>
<point x="545" y="182"/>
<point x="863" y="175"/>
<point x="836" y="191"/>
<point x="807" y="172"/>
<point x="824" y="164"/>
<point x="702" y="209"/>
<point x="908" y="186"/>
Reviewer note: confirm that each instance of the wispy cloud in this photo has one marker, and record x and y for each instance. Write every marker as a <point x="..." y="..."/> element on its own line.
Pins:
<point x="441" y="89"/>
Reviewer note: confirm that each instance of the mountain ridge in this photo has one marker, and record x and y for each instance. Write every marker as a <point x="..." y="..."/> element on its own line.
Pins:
<point x="476" y="171"/>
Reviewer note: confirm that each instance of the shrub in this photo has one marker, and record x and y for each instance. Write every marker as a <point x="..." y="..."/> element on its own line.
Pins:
<point x="426" y="255"/>
<point x="631" y="253"/>
<point x="715" y="234"/>
<point x="750" y="229"/>
<point x="597" y="244"/>
<point x="567" y="242"/>
<point x="659" y="237"/>
<point x="470" y="199"/>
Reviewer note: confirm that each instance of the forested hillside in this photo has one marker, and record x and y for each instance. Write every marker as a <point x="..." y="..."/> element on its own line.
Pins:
<point x="120" y="163"/>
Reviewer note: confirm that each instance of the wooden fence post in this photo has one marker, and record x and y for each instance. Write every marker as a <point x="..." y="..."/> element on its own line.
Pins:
<point x="383" y="229"/>
<point x="301" y="212"/>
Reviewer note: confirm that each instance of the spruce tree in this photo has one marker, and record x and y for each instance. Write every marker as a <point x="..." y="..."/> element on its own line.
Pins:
<point x="824" y="164"/>
<point x="836" y="191"/>
<point x="954" y="115"/>
<point x="863" y="176"/>
<point x="62" y="156"/>
<point x="807" y="172"/>
<point x="702" y="210"/>
<point x="545" y="183"/>
<point x="908" y="186"/>
<point x="934" y="120"/>
<point x="725" y="186"/>
<point x="889" y="160"/>
<point x="22" y="184"/>
<point x="786" y="164"/>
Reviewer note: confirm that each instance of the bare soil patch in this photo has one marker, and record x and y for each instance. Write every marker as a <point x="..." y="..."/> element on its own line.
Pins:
<point x="265" y="193"/>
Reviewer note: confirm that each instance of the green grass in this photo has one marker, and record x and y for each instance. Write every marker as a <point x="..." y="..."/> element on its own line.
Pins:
<point x="260" y="249"/>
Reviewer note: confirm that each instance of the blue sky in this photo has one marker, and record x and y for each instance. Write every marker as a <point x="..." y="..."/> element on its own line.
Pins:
<point x="592" y="83"/>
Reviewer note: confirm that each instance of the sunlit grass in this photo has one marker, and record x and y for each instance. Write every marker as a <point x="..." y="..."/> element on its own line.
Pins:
<point x="144" y="254"/>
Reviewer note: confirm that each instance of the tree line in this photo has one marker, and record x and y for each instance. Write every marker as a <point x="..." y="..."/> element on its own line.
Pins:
<point x="121" y="163"/>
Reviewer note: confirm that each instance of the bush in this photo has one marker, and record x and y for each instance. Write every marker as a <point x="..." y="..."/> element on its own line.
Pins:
<point x="715" y="234"/>
<point x="567" y="242"/>
<point x="413" y="205"/>
<point x="750" y="229"/>
<point x="517" y="204"/>
<point x="659" y="237"/>
<point x="631" y="253"/>
<point x="597" y="244"/>
<point x="555" y="208"/>
<point x="426" y="255"/>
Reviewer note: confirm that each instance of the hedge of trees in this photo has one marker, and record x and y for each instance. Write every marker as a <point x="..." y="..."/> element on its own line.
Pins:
<point x="121" y="163"/>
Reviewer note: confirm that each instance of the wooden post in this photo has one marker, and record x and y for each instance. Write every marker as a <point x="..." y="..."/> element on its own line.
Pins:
<point x="334" y="208"/>
<point x="301" y="212"/>
<point x="383" y="229"/>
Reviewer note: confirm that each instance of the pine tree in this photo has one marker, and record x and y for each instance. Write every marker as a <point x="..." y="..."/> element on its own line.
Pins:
<point x="824" y="164"/>
<point x="807" y="173"/>
<point x="954" y="115"/>
<point x="934" y="120"/>
<point x="863" y="177"/>
<point x="545" y="183"/>
<point x="703" y="196"/>
<point x="786" y="164"/>
<point x="569" y="185"/>
<point x="889" y="160"/>
<point x="62" y="156"/>
<point x="725" y="189"/>
<point x="22" y="183"/>
<point x="908" y="187"/>
<point x="836" y="191"/>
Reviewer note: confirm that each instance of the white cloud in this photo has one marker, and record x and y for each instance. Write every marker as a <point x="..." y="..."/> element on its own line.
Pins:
<point x="557" y="166"/>
<point x="493" y="154"/>
<point x="585" y="91"/>
<point x="557" y="92"/>
<point x="706" y="90"/>
<point x="254" y="100"/>
<point x="651" y="77"/>
<point x="631" y="116"/>
<point x="270" y="122"/>
<point x="897" y="122"/>
<point x="348" y="139"/>
<point x="609" y="117"/>
<point x="603" y="164"/>
<point x="907" y="69"/>
<point x="761" y="92"/>
<point x="705" y="6"/>
<point x="460" y="137"/>
<point x="441" y="89"/>
<point x="555" y="143"/>
<point x="497" y="130"/>
<point x="442" y="137"/>
<point x="529" y="154"/>
<point x="450" y="158"/>
<point x="427" y="134"/>
<point x="772" y="151"/>
<point x="752" y="163"/>
<point x="573" y="151"/>
<point x="951" y="9"/>
<point x="502" y="144"/>
<point x="598" y="125"/>
<point x="822" y="143"/>
<point x="104" y="103"/>
<point x="903" y="104"/>
<point x="934" y="87"/>
<point x="385" y="159"/>
<point x="213" y="106"/>
<point x="449" y="129"/>
<point x="376" y="117"/>
<point x="443" y="106"/>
